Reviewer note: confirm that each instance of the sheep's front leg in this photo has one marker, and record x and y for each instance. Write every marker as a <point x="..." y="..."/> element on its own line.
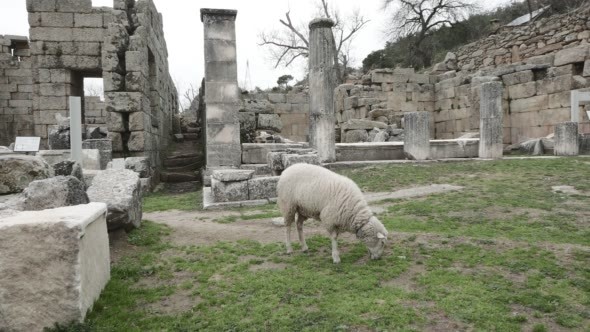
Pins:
<point x="289" y="218"/>
<point x="335" y="253"/>
<point x="300" y="220"/>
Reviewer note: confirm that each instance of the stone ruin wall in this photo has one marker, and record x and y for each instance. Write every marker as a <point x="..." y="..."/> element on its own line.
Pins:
<point x="71" y="40"/>
<point x="95" y="112"/>
<point x="514" y="44"/>
<point x="286" y="111"/>
<point x="16" y="114"/>
<point x="539" y="64"/>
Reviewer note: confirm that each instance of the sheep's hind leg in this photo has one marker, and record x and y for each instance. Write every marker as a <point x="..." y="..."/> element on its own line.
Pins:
<point x="300" y="220"/>
<point x="335" y="253"/>
<point x="289" y="218"/>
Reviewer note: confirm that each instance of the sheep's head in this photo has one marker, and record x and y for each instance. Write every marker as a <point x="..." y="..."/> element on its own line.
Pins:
<point x="374" y="235"/>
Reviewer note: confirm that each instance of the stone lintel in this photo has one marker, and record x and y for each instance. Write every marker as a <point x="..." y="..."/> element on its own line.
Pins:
<point x="227" y="14"/>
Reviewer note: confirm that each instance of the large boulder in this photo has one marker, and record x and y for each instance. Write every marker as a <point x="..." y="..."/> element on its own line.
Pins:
<point x="53" y="193"/>
<point x="120" y="189"/>
<point x="17" y="171"/>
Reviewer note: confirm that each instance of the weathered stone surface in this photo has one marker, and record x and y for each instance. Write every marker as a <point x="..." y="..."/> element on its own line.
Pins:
<point x="417" y="136"/>
<point x="55" y="264"/>
<point x="381" y="136"/>
<point x="571" y="55"/>
<point x="17" y="171"/>
<point x="270" y="122"/>
<point x="140" y="165"/>
<point x="491" y="114"/>
<point x="356" y="136"/>
<point x="67" y="168"/>
<point x="59" y="138"/>
<point x="230" y="175"/>
<point x="120" y="189"/>
<point x="292" y="159"/>
<point x="54" y="192"/>
<point x="263" y="187"/>
<point x="363" y="124"/>
<point x="104" y="147"/>
<point x="322" y="82"/>
<point x="229" y="191"/>
<point x="566" y="139"/>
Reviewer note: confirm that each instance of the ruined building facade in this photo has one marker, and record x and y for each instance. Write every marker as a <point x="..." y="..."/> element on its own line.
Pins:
<point x="71" y="40"/>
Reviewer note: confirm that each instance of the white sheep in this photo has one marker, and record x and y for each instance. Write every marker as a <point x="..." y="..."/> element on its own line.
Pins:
<point x="315" y="192"/>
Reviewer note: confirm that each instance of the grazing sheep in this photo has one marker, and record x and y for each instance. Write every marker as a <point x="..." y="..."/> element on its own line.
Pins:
<point x="314" y="192"/>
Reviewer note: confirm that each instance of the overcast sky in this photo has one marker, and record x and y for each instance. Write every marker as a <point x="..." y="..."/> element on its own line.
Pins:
<point x="184" y="32"/>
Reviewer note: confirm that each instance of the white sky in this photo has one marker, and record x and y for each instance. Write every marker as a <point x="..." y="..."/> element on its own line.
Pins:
<point x="184" y="32"/>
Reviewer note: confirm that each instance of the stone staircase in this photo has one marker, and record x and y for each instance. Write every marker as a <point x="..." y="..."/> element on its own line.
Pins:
<point x="182" y="167"/>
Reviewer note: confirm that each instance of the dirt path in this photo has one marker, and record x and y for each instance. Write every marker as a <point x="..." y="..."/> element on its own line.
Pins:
<point x="200" y="227"/>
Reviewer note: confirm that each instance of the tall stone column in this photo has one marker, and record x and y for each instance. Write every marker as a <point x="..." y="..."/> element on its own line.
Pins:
<point x="222" y="126"/>
<point x="322" y="82"/>
<point x="491" y="130"/>
<point x="566" y="139"/>
<point x="416" y="135"/>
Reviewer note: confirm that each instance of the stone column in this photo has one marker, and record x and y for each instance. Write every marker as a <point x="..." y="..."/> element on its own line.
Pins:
<point x="76" y="129"/>
<point x="491" y="131"/>
<point x="416" y="135"/>
<point x="222" y="126"/>
<point x="566" y="139"/>
<point x="322" y="82"/>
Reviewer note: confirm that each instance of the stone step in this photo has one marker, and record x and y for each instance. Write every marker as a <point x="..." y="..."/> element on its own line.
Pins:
<point x="190" y="137"/>
<point x="178" y="177"/>
<point x="180" y="162"/>
<point x="184" y="168"/>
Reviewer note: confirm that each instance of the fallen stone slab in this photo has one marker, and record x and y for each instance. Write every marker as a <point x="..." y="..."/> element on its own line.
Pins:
<point x="120" y="189"/>
<point x="412" y="192"/>
<point x="53" y="193"/>
<point x="17" y="171"/>
<point x="55" y="263"/>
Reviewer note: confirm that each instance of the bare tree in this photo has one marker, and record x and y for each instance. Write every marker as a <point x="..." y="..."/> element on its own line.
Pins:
<point x="290" y="43"/>
<point x="188" y="97"/>
<point x="418" y="18"/>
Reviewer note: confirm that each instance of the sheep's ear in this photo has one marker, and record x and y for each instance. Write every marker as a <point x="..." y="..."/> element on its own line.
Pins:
<point x="381" y="236"/>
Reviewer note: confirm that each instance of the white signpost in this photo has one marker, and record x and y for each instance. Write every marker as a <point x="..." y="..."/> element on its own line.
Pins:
<point x="576" y="98"/>
<point x="26" y="144"/>
<point x="76" y="128"/>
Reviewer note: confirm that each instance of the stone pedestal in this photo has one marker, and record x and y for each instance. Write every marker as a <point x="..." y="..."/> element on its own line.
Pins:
<point x="230" y="185"/>
<point x="491" y="130"/>
<point x="222" y="125"/>
<point x="566" y="139"/>
<point x="322" y="82"/>
<point x="417" y="135"/>
<point x="53" y="265"/>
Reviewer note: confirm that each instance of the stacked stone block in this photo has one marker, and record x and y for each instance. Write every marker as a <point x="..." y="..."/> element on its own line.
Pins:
<point x="233" y="185"/>
<point x="290" y="111"/>
<point x="509" y="45"/>
<point x="16" y="114"/>
<point x="95" y="111"/>
<point x="71" y="40"/>
<point x="222" y="125"/>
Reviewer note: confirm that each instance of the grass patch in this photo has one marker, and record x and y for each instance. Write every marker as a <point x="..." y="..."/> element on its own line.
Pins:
<point x="162" y="202"/>
<point x="505" y="254"/>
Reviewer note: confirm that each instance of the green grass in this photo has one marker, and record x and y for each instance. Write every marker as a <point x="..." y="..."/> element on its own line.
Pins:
<point x="503" y="254"/>
<point x="163" y="202"/>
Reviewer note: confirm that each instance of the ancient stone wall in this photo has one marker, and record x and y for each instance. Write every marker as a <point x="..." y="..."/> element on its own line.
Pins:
<point x="289" y="110"/>
<point x="513" y="44"/>
<point x="95" y="111"/>
<point x="16" y="116"/>
<point x="125" y="45"/>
